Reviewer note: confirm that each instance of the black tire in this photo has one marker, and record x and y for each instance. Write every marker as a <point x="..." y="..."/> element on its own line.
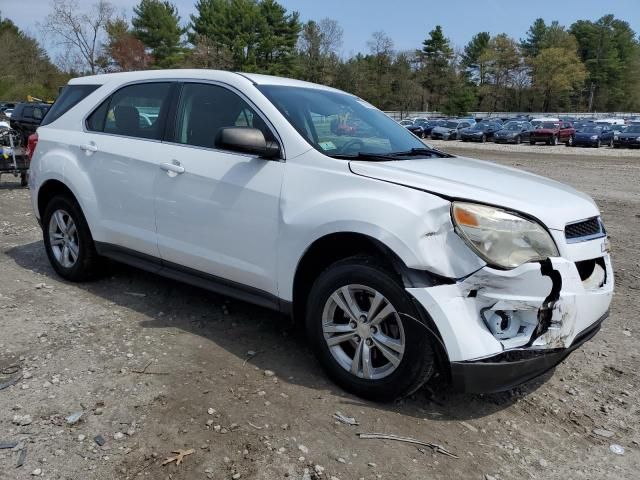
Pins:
<point x="554" y="141"/>
<point x="598" y="144"/>
<point x="483" y="139"/>
<point x="532" y="142"/>
<point x="611" y="142"/>
<point x="88" y="263"/>
<point x="24" y="179"/>
<point x="518" y="140"/>
<point x="418" y="361"/>
<point x="423" y="135"/>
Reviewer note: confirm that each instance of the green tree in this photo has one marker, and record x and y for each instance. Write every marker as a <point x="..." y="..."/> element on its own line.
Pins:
<point x="610" y="51"/>
<point x="472" y="56"/>
<point x="503" y="61"/>
<point x="256" y="35"/>
<point x="436" y="59"/>
<point x="157" y="25"/>
<point x="557" y="72"/>
<point x="318" y="44"/>
<point x="31" y="72"/>
<point x="532" y="44"/>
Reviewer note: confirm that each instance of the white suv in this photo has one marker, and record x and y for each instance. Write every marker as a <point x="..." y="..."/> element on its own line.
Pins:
<point x="401" y="260"/>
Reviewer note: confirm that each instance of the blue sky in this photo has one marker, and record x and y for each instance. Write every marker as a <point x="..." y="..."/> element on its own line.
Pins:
<point x="407" y="23"/>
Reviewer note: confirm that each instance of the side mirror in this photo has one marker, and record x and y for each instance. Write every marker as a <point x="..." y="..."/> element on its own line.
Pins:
<point x="246" y="140"/>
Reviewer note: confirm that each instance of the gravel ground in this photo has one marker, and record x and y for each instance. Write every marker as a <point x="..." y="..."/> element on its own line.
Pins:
<point x="156" y="366"/>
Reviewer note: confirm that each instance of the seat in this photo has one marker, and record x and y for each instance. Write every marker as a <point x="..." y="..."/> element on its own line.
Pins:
<point x="127" y="119"/>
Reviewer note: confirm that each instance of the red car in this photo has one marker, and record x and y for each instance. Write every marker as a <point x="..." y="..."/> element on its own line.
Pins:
<point x="553" y="132"/>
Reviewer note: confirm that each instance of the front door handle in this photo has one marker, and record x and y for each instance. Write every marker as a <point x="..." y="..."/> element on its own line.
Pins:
<point x="89" y="147"/>
<point x="173" y="167"/>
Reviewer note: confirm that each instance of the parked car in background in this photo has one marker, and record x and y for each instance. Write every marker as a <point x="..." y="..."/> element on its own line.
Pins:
<point x="422" y="128"/>
<point x="449" y="129"/>
<point x="26" y="118"/>
<point x="553" y="133"/>
<point x="513" y="132"/>
<point x="540" y="120"/>
<point x="629" y="138"/>
<point x="594" y="136"/>
<point x="406" y="123"/>
<point x="401" y="261"/>
<point x="7" y="112"/>
<point x="611" y="121"/>
<point x="581" y="124"/>
<point x="481" y="131"/>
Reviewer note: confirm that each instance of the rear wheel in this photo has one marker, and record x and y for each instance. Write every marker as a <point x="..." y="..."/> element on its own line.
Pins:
<point x="366" y="332"/>
<point x="68" y="241"/>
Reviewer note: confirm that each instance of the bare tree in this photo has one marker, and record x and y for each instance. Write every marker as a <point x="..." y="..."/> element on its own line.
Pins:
<point x="79" y="31"/>
<point x="330" y="36"/>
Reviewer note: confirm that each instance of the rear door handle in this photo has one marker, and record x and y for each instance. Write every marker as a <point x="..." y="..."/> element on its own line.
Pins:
<point x="89" y="147"/>
<point x="174" y="167"/>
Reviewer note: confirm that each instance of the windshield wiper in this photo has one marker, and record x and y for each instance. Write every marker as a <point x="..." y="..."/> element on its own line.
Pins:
<point x="374" y="157"/>
<point x="415" y="152"/>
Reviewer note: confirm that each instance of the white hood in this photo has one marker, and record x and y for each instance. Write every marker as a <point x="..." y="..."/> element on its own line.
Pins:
<point x="553" y="203"/>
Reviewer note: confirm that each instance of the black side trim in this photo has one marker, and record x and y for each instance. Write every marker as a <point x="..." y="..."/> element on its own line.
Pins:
<point x="510" y="369"/>
<point x="197" y="278"/>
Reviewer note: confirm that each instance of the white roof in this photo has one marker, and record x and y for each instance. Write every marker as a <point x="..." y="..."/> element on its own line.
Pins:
<point x="193" y="74"/>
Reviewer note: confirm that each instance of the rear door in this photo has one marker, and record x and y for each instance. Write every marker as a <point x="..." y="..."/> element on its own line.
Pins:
<point x="218" y="211"/>
<point x="122" y="152"/>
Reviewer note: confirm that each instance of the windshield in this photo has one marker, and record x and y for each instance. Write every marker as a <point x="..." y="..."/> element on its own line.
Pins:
<point x="337" y="123"/>
<point x="549" y="125"/>
<point x="591" y="129"/>
<point x="450" y="124"/>
<point x="632" y="129"/>
<point x="481" y="125"/>
<point x="513" y="126"/>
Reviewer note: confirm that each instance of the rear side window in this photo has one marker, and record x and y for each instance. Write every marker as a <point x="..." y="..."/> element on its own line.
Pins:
<point x="133" y="111"/>
<point x="70" y="96"/>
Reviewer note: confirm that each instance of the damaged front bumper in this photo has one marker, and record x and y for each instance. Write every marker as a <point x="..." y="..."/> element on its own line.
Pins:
<point x="501" y="328"/>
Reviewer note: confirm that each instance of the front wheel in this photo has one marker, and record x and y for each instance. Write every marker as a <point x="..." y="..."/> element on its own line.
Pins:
<point x="367" y="332"/>
<point x="518" y="140"/>
<point x="483" y="139"/>
<point x="68" y="241"/>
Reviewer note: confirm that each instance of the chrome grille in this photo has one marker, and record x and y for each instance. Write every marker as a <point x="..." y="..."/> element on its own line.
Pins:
<point x="584" y="230"/>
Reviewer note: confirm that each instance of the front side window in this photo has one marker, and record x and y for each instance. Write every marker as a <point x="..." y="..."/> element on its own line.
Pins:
<point x="204" y="109"/>
<point x="27" y="112"/>
<point x="337" y="123"/>
<point x="133" y="111"/>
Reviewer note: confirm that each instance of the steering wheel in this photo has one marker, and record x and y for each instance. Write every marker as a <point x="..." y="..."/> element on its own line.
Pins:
<point x="350" y="144"/>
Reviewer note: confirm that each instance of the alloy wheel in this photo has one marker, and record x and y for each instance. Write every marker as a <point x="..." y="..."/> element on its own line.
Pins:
<point x="63" y="238"/>
<point x="363" y="331"/>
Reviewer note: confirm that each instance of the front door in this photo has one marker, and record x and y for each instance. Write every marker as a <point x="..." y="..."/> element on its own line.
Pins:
<point x="218" y="211"/>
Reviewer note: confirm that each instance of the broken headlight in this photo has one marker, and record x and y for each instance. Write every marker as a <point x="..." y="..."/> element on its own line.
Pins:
<point x="501" y="238"/>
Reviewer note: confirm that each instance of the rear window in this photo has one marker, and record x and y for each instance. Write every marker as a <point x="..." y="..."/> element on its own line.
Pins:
<point x="70" y="96"/>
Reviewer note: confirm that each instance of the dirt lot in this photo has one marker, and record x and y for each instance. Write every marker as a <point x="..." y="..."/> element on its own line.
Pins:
<point x="157" y="366"/>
